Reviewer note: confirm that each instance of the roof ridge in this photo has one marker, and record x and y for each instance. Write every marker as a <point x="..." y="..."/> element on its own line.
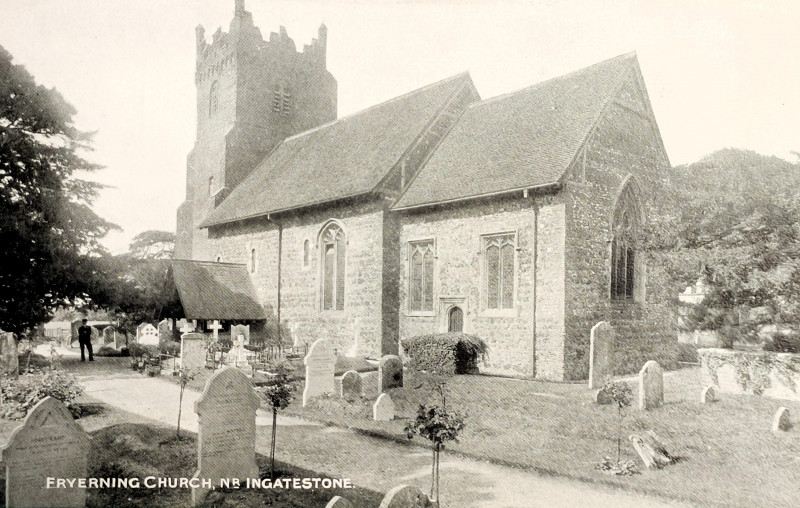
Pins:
<point x="214" y="263"/>
<point x="630" y="55"/>
<point x="389" y="101"/>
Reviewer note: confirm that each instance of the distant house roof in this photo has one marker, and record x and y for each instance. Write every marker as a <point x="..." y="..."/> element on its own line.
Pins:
<point x="518" y="141"/>
<point x="342" y="159"/>
<point x="216" y="291"/>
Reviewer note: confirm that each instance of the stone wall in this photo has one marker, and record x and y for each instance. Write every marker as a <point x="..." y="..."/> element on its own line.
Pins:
<point x="774" y="375"/>
<point x="301" y="312"/>
<point x="457" y="231"/>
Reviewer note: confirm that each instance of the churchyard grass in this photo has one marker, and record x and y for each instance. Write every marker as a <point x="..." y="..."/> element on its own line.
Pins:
<point x="726" y="451"/>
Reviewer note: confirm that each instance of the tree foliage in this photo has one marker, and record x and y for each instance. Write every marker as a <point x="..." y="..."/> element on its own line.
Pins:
<point x="49" y="235"/>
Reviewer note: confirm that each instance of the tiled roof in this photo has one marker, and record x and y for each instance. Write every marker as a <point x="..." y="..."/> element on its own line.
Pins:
<point x="341" y="159"/>
<point x="216" y="291"/>
<point x="520" y="140"/>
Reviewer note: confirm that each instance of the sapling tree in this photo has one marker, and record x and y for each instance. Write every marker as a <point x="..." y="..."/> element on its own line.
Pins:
<point x="185" y="376"/>
<point x="278" y="394"/>
<point x="438" y="425"/>
<point x="621" y="395"/>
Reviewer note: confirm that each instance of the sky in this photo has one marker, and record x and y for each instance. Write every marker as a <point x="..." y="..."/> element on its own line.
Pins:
<point x="719" y="73"/>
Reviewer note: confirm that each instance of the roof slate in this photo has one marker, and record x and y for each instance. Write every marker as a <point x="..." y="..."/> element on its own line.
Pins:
<point x="221" y="291"/>
<point x="342" y="159"/>
<point x="517" y="141"/>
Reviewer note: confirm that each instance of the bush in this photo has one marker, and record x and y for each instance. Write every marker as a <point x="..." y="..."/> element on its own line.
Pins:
<point x="687" y="353"/>
<point x="445" y="353"/>
<point x="170" y="347"/>
<point x="27" y="391"/>
<point x="138" y="350"/>
<point x="107" y="351"/>
<point x="783" y="342"/>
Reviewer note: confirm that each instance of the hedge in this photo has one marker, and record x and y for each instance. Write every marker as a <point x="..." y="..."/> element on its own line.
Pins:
<point x="445" y="353"/>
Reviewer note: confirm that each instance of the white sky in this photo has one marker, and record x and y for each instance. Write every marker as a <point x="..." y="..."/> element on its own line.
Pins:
<point x="719" y="73"/>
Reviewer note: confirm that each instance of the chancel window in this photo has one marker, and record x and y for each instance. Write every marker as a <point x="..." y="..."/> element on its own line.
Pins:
<point x="498" y="271"/>
<point x="213" y="99"/>
<point x="281" y="99"/>
<point x="624" y="242"/>
<point x="306" y="253"/>
<point x="333" y="245"/>
<point x="420" y="276"/>
<point x="252" y="261"/>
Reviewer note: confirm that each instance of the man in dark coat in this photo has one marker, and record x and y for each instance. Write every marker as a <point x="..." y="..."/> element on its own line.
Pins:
<point x="85" y="340"/>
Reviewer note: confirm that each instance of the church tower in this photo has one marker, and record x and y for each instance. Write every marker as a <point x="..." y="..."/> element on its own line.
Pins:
<point x="251" y="95"/>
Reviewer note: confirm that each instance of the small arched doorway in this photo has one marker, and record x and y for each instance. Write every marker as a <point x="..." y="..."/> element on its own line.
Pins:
<point x="455" y="319"/>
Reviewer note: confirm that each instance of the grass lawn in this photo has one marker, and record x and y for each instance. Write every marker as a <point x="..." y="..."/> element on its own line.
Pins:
<point x="728" y="455"/>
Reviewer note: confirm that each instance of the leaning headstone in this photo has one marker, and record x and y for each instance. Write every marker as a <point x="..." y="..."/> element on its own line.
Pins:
<point x="708" y="395"/>
<point x="383" y="409"/>
<point x="226" y="441"/>
<point x="602" y="397"/>
<point x="148" y="335"/>
<point x="601" y="354"/>
<point x="48" y="445"/>
<point x="390" y="373"/>
<point x="9" y="357"/>
<point x="339" y="502"/>
<point x="651" y="450"/>
<point x="320" y="363"/>
<point x="351" y="386"/>
<point x="780" y="422"/>
<point x="405" y="496"/>
<point x="193" y="351"/>
<point x="651" y="386"/>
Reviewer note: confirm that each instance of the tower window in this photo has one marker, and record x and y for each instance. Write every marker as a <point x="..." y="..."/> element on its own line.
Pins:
<point x="213" y="99"/>
<point x="420" y="278"/>
<point x="210" y="185"/>
<point x="281" y="100"/>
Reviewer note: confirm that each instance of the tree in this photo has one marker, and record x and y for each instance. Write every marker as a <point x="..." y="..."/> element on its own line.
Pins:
<point x="278" y="393"/>
<point x="49" y="235"/>
<point x="185" y="377"/>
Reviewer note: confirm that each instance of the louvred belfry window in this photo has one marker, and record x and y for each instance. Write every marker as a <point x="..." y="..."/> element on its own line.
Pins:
<point x="281" y="100"/>
<point x="498" y="271"/>
<point x="333" y="247"/>
<point x="625" y="231"/>
<point x="420" y="290"/>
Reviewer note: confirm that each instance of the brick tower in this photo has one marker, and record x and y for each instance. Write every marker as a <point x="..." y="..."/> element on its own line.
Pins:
<point x="251" y="95"/>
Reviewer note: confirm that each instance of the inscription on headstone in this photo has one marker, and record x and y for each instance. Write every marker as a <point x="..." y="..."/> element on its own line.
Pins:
<point x="226" y="441"/>
<point x="383" y="409"/>
<point x="390" y="373"/>
<point x="48" y="444"/>
<point x="601" y="354"/>
<point x="651" y="386"/>
<point x="351" y="386"/>
<point x="320" y="363"/>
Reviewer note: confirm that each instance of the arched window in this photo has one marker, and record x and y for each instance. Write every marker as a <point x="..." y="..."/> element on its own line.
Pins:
<point x="332" y="250"/>
<point x="498" y="271"/>
<point x="420" y="276"/>
<point x="252" y="261"/>
<point x="625" y="230"/>
<point x="306" y="253"/>
<point x="213" y="99"/>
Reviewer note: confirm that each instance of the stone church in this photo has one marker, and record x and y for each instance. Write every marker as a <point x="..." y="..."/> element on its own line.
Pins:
<point x="516" y="218"/>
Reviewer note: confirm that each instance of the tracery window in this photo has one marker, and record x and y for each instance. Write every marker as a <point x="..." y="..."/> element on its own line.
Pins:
<point x="333" y="245"/>
<point x="420" y="276"/>
<point x="498" y="271"/>
<point x="624" y="246"/>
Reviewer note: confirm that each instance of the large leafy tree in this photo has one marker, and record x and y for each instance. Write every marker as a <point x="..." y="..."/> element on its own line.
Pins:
<point x="49" y="235"/>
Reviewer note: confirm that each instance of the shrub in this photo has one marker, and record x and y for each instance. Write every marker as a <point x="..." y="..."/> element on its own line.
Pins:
<point x="687" y="353"/>
<point x="169" y="347"/>
<point x="138" y="350"/>
<point x="28" y="390"/>
<point x="107" y="351"/>
<point x="445" y="353"/>
<point x="784" y="342"/>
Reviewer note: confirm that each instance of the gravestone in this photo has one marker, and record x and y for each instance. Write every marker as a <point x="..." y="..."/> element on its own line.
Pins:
<point x="351" y="386"/>
<point x="109" y="336"/>
<point x="148" y="335"/>
<point x="243" y="330"/>
<point x="226" y="441"/>
<point x="165" y="329"/>
<point x="48" y="444"/>
<point x="708" y="395"/>
<point x="320" y="363"/>
<point x="780" y="422"/>
<point x="383" y="409"/>
<point x="9" y="357"/>
<point x="651" y="450"/>
<point x="339" y="502"/>
<point x="237" y="355"/>
<point x="185" y="326"/>
<point x="651" y="386"/>
<point x="603" y="398"/>
<point x="193" y="351"/>
<point x="601" y="354"/>
<point x="390" y="373"/>
<point x="405" y="496"/>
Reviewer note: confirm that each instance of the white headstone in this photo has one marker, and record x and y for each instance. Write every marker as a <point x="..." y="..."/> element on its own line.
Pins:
<point x="651" y="386"/>
<point x="243" y="330"/>
<point x="226" y="440"/>
<point x="601" y="354"/>
<point x="320" y="364"/>
<point x="383" y="409"/>
<point x="215" y="327"/>
<point x="708" y="395"/>
<point x="148" y="335"/>
<point x="193" y="351"/>
<point x="48" y="444"/>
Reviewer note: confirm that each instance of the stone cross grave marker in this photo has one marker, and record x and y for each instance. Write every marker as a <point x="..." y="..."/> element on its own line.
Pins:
<point x="780" y="422"/>
<point x="216" y="327"/>
<point x="708" y="395"/>
<point x="226" y="441"/>
<point x="601" y="354"/>
<point x="651" y="386"/>
<point x="48" y="444"/>
<point x="193" y="351"/>
<point x="383" y="409"/>
<point x="9" y="357"/>
<point x="351" y="386"/>
<point x="405" y="496"/>
<point x="390" y="373"/>
<point x="148" y="335"/>
<point x="320" y="363"/>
